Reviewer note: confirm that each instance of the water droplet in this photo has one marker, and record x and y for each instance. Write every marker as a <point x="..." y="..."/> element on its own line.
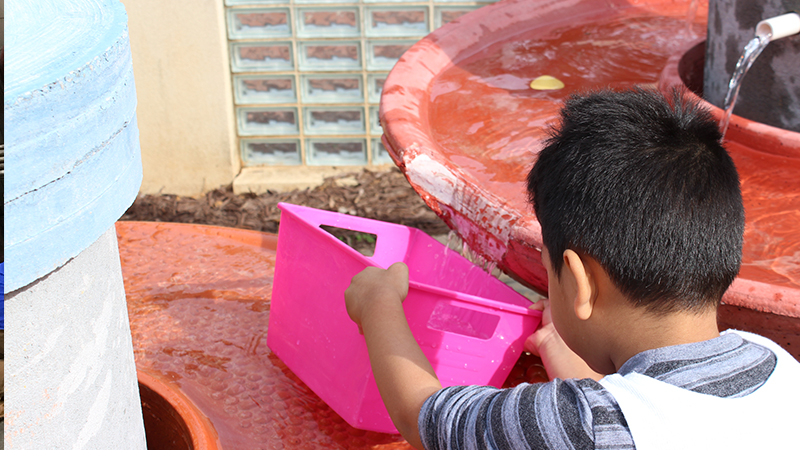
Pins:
<point x="447" y="347"/>
<point x="298" y="342"/>
<point x="465" y="365"/>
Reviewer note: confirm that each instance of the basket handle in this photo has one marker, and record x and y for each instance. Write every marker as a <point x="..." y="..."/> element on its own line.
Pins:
<point x="391" y="239"/>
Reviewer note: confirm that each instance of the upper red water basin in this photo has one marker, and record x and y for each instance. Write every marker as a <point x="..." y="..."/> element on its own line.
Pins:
<point x="462" y="122"/>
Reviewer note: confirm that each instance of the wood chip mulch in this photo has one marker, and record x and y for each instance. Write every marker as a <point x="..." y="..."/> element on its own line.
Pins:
<point x="385" y="196"/>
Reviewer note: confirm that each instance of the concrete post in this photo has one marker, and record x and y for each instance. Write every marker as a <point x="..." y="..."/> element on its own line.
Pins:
<point x="71" y="379"/>
<point x="71" y="138"/>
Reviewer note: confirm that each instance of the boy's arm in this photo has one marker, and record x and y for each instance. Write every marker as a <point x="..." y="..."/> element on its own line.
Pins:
<point x="558" y="359"/>
<point x="403" y="374"/>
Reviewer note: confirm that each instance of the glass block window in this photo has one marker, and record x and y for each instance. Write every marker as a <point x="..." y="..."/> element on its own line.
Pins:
<point x="271" y="151"/>
<point x="267" y="121"/>
<point x="250" y="89"/>
<point x="267" y="56"/>
<point x="328" y="22"/>
<point x="254" y="2"/>
<point x="392" y="22"/>
<point x="446" y="14"/>
<point x="330" y="56"/>
<point x="339" y="88"/>
<point x="375" y="83"/>
<point x="379" y="153"/>
<point x="337" y="152"/>
<point x="382" y="55"/>
<point x="258" y="23"/>
<point x="333" y="121"/>
<point x="308" y="74"/>
<point x="374" y="121"/>
<point x="327" y="1"/>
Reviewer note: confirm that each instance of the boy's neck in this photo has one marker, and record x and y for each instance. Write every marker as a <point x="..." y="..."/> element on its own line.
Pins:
<point x="617" y="329"/>
<point x="644" y="330"/>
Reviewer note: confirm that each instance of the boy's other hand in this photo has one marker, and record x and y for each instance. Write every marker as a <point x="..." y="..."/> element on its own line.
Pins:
<point x="558" y="359"/>
<point x="373" y="286"/>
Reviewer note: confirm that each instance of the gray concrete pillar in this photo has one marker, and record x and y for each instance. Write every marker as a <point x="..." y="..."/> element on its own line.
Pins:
<point x="73" y="145"/>
<point x="770" y="92"/>
<point x="70" y="381"/>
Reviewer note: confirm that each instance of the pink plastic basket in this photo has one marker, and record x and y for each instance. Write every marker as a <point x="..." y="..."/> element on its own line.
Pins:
<point x="470" y="325"/>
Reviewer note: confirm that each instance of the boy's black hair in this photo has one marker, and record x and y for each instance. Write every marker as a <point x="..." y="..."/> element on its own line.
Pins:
<point x="643" y="185"/>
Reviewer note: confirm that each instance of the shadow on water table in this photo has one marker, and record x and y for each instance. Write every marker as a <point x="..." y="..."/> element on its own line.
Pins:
<point x="199" y="303"/>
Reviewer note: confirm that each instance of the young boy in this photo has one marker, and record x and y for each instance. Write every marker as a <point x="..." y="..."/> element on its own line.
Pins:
<point x="642" y="222"/>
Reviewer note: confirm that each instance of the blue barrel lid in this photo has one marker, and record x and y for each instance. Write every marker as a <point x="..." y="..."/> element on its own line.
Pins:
<point x="71" y="138"/>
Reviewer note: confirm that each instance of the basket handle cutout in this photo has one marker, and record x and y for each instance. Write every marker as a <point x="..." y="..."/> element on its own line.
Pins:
<point x="359" y="241"/>
<point x="390" y="247"/>
<point x="463" y="321"/>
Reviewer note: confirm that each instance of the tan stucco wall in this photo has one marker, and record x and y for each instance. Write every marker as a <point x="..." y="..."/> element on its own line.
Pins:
<point x="185" y="100"/>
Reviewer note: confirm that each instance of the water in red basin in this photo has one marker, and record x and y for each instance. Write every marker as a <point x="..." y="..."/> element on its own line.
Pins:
<point x="488" y="121"/>
<point x="771" y="191"/>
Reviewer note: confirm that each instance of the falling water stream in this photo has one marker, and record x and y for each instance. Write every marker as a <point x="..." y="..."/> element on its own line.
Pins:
<point x="749" y="55"/>
<point x="454" y="242"/>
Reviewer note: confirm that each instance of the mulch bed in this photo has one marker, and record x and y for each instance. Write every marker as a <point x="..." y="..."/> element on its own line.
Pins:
<point x="385" y="196"/>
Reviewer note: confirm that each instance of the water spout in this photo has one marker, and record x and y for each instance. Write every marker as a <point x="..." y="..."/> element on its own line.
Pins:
<point x="766" y="31"/>
<point x="779" y="26"/>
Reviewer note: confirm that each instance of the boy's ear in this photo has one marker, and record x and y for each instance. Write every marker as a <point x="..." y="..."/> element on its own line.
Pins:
<point x="584" y="295"/>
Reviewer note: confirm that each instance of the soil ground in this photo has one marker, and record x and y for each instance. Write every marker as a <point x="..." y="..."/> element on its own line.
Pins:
<point x="384" y="196"/>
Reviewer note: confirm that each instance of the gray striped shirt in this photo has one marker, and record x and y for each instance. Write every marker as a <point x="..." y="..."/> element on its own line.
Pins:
<point x="582" y="414"/>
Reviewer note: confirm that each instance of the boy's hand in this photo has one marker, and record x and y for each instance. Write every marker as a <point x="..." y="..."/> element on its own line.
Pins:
<point x="558" y="359"/>
<point x="403" y="374"/>
<point x="373" y="286"/>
